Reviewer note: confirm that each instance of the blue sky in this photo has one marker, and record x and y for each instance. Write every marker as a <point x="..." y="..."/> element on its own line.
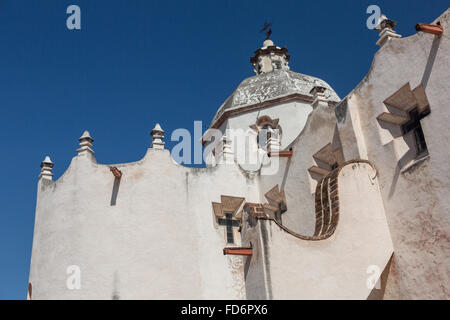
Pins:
<point x="138" y="62"/>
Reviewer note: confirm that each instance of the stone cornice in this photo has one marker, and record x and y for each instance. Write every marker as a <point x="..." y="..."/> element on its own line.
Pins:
<point x="265" y="104"/>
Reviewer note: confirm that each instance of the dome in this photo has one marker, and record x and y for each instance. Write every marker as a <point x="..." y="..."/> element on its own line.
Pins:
<point x="271" y="85"/>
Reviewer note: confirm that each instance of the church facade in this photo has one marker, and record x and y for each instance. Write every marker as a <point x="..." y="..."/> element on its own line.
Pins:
<point x="346" y="199"/>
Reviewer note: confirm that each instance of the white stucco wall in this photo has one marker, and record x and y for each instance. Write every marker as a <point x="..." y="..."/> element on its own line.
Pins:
<point x="337" y="267"/>
<point x="158" y="241"/>
<point x="293" y="176"/>
<point x="416" y="200"/>
<point x="292" y="115"/>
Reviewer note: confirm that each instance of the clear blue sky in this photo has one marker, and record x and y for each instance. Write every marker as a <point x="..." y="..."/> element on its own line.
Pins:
<point x="138" y="62"/>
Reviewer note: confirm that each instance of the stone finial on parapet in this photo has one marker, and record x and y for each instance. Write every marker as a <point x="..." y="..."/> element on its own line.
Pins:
<point x="46" y="169"/>
<point x="85" y="144"/>
<point x="157" y="136"/>
<point x="318" y="93"/>
<point x="385" y="27"/>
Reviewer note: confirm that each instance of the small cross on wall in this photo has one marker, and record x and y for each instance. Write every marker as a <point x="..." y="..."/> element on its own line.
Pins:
<point x="229" y="223"/>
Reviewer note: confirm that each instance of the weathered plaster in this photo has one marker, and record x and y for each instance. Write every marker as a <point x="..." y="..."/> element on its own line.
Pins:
<point x="159" y="237"/>
<point x="416" y="199"/>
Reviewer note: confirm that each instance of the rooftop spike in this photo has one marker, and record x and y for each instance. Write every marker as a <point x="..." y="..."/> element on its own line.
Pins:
<point x="46" y="169"/>
<point x="157" y="136"/>
<point x="385" y="27"/>
<point x="85" y="144"/>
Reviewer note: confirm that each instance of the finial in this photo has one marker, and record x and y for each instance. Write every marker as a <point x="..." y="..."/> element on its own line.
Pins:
<point x="318" y="93"/>
<point x="269" y="57"/>
<point x="317" y="88"/>
<point x="384" y="22"/>
<point x="157" y="135"/>
<point x="46" y="169"/>
<point x="385" y="27"/>
<point x="267" y="30"/>
<point x="85" y="144"/>
<point x="267" y="43"/>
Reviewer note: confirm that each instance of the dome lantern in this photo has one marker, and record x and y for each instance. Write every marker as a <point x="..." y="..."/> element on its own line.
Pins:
<point x="269" y="58"/>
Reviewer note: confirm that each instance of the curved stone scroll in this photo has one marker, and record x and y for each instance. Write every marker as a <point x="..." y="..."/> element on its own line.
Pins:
<point x="327" y="206"/>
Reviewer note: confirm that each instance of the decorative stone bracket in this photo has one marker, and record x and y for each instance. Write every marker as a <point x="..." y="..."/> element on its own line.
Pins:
<point x="328" y="159"/>
<point x="228" y="204"/>
<point x="405" y="100"/>
<point x="275" y="206"/>
<point x="326" y="206"/>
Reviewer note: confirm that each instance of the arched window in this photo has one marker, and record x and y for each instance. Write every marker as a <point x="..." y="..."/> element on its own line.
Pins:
<point x="266" y="129"/>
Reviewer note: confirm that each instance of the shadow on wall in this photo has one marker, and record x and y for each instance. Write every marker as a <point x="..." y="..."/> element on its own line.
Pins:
<point x="430" y="61"/>
<point x="394" y="129"/>
<point x="115" y="293"/>
<point x="404" y="161"/>
<point x="115" y="191"/>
